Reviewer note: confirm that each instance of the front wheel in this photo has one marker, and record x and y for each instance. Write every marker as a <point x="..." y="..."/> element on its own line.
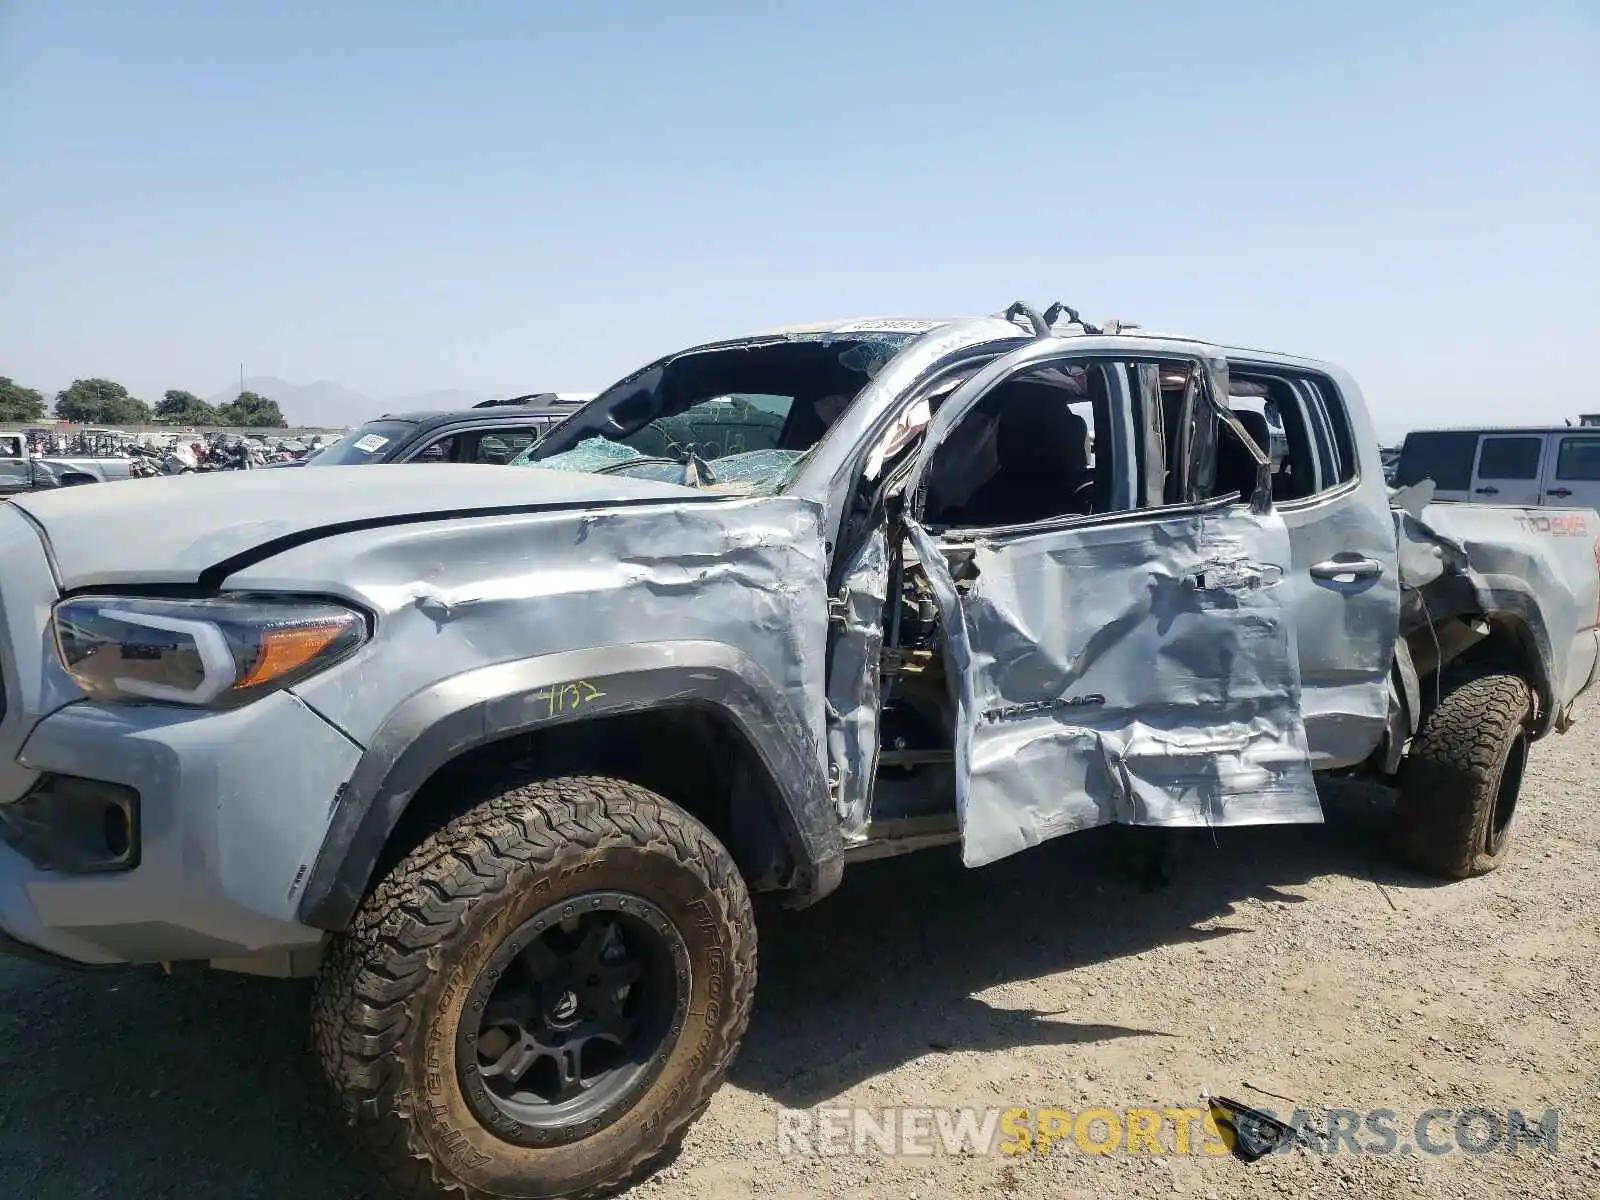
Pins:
<point x="539" y="999"/>
<point x="1462" y="777"/>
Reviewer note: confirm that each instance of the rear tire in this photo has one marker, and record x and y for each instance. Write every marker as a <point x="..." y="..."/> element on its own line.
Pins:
<point x="1461" y="778"/>
<point x="539" y="999"/>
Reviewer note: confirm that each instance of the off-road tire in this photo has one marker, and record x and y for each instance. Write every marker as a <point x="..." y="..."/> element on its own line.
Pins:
<point x="1460" y="779"/>
<point x="390" y="993"/>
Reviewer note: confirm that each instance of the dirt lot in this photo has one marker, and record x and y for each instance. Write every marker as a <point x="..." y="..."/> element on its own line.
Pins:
<point x="1294" y="961"/>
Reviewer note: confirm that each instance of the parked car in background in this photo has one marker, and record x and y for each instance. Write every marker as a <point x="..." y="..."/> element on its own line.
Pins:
<point x="21" y="471"/>
<point x="19" y="475"/>
<point x="1556" y="465"/>
<point x="475" y="435"/>
<point x="20" y="447"/>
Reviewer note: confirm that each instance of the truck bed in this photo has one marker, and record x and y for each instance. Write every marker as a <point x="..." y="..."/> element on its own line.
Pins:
<point x="1537" y="569"/>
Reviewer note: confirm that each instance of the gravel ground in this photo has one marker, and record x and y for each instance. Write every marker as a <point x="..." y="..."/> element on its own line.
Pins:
<point x="1291" y="961"/>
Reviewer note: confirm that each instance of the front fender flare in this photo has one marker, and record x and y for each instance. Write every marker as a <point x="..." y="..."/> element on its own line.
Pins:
<point x="436" y="725"/>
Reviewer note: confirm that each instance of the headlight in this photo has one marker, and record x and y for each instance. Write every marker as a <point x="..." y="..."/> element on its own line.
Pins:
<point x="219" y="652"/>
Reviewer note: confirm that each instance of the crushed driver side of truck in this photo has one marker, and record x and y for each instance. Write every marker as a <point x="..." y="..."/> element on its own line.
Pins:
<point x="957" y="688"/>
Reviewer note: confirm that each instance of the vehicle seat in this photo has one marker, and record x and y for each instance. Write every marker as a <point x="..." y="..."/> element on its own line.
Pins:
<point x="1043" y="451"/>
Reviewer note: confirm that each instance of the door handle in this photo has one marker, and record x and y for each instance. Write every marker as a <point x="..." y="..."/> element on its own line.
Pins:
<point x="1562" y="492"/>
<point x="1487" y="491"/>
<point x="1354" y="568"/>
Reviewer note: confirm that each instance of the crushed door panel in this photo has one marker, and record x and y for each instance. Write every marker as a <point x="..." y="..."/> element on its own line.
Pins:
<point x="1143" y="671"/>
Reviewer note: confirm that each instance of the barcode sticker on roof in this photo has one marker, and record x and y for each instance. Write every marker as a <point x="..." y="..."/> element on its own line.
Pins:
<point x="889" y="325"/>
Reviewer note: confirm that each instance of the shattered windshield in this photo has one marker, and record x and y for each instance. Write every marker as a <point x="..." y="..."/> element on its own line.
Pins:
<point x="736" y="419"/>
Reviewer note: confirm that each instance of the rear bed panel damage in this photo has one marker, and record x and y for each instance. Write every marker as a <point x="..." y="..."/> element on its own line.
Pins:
<point x="1536" y="568"/>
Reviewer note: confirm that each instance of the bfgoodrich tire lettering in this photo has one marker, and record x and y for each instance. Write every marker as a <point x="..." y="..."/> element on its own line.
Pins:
<point x="390" y="1001"/>
<point x="1461" y="778"/>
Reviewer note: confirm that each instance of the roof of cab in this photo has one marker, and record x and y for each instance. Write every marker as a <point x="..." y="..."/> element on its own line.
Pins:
<point x="1062" y="329"/>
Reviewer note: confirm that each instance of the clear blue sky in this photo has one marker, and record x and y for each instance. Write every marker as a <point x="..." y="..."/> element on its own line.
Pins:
<point x="511" y="194"/>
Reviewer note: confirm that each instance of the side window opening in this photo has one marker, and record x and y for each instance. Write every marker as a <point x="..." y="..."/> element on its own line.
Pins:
<point x="1272" y="413"/>
<point x="1026" y="452"/>
<point x="1509" y="457"/>
<point x="1444" y="457"/>
<point x="441" y="451"/>
<point x="500" y="446"/>
<point x="1578" y="459"/>
<point x="1039" y="446"/>
<point x="1324" y="402"/>
<point x="1302" y="427"/>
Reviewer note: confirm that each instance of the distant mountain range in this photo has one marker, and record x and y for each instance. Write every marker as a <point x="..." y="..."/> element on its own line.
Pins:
<point x="326" y="403"/>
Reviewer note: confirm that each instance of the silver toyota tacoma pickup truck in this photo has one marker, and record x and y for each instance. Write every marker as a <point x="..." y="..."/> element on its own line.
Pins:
<point x="499" y="755"/>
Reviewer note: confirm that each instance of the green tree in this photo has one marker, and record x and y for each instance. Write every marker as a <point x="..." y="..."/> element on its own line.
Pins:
<point x="178" y="407"/>
<point x="18" y="403"/>
<point x="252" y="411"/>
<point x="128" y="412"/>
<point x="100" y="402"/>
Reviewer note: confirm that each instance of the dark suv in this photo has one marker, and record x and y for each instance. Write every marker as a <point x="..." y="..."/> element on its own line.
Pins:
<point x="494" y="434"/>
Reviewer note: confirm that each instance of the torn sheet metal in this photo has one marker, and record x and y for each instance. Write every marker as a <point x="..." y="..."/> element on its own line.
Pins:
<point x="749" y="574"/>
<point x="854" y="700"/>
<point x="1144" y="672"/>
<point x="1534" y="565"/>
<point x="1412" y="499"/>
<point x="907" y="427"/>
<point x="1425" y="553"/>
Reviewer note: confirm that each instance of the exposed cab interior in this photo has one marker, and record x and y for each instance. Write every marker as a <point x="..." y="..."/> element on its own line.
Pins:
<point x="1047" y="447"/>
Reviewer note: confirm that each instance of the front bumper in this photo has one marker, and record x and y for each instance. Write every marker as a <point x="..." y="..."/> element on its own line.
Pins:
<point x="231" y="806"/>
<point x="232" y="809"/>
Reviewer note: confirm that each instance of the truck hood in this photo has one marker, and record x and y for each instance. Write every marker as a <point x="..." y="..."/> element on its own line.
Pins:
<point x="170" y="530"/>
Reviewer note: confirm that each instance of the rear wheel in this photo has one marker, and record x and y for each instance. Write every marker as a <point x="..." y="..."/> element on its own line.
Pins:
<point x="541" y="997"/>
<point x="1462" y="777"/>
